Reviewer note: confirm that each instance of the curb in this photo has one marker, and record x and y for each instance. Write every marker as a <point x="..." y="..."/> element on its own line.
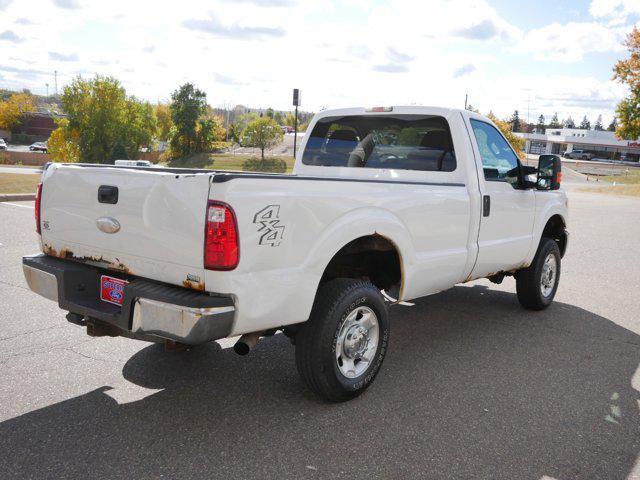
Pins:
<point x="17" y="197"/>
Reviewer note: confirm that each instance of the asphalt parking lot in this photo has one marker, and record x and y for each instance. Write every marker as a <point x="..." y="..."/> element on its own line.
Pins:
<point x="473" y="386"/>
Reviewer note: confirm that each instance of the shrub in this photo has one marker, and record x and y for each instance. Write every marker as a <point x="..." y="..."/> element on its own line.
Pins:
<point x="269" y="164"/>
<point x="4" y="158"/>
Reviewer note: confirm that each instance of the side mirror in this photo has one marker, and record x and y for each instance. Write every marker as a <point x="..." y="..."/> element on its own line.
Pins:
<point x="549" y="172"/>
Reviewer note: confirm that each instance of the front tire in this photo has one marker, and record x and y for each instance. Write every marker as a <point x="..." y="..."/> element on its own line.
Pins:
<point x="340" y="349"/>
<point x="537" y="284"/>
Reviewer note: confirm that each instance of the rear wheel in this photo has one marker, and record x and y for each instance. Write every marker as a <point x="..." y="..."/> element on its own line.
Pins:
<point x="340" y="349"/>
<point x="537" y="285"/>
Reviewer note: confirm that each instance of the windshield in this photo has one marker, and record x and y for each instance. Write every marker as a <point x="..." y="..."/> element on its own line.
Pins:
<point x="405" y="142"/>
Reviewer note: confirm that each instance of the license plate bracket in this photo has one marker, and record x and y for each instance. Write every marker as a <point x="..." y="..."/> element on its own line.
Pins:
<point x="112" y="289"/>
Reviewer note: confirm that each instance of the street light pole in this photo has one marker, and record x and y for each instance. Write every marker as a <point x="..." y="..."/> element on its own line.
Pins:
<point x="296" y="102"/>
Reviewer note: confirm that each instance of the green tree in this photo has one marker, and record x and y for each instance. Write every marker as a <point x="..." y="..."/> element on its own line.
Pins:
<point x="270" y="112"/>
<point x="263" y="133"/>
<point x="613" y="125"/>
<point x="585" y="124"/>
<point x="209" y="132"/>
<point x="627" y="72"/>
<point x="540" y="124"/>
<point x="102" y="114"/>
<point x="188" y="104"/>
<point x="505" y="127"/>
<point x="569" y="123"/>
<point x="555" y="123"/>
<point x="238" y="127"/>
<point x="118" y="152"/>
<point x="289" y="119"/>
<point x="13" y="109"/>
<point x="64" y="144"/>
<point x="515" y="122"/>
<point x="163" y="116"/>
<point x="598" y="125"/>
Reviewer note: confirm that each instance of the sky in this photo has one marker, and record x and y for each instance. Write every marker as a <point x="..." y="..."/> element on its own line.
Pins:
<point x="538" y="57"/>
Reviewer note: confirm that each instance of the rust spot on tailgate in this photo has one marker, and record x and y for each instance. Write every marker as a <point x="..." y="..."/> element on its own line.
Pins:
<point x="68" y="255"/>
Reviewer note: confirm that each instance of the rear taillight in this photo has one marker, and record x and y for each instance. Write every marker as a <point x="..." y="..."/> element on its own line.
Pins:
<point x="37" y="207"/>
<point x="221" y="248"/>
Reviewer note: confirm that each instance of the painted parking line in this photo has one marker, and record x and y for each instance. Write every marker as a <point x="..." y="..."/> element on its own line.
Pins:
<point x="17" y="205"/>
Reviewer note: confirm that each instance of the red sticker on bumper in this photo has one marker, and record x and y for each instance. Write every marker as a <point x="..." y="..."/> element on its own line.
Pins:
<point x="112" y="289"/>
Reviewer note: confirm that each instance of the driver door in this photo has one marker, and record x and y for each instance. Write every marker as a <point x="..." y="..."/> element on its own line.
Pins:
<point x="506" y="225"/>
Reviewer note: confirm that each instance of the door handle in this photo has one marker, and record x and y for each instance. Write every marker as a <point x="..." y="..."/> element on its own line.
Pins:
<point x="108" y="194"/>
<point x="486" y="205"/>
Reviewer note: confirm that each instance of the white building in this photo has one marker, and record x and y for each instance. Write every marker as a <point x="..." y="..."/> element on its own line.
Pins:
<point x="602" y="144"/>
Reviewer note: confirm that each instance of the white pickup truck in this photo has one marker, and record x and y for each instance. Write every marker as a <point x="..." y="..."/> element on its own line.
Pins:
<point x="384" y="205"/>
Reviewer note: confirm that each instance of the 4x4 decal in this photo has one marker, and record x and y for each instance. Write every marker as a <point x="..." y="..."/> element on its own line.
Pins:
<point x="268" y="219"/>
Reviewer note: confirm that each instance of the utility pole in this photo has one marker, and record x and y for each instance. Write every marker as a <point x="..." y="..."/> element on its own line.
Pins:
<point x="466" y="98"/>
<point x="296" y="102"/>
<point x="47" y="89"/>
<point x="55" y="77"/>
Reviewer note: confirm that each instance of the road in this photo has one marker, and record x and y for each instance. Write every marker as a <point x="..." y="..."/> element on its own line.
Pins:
<point x="23" y="170"/>
<point x="473" y="386"/>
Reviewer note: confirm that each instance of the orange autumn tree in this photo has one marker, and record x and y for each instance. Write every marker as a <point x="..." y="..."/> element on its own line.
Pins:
<point x="627" y="72"/>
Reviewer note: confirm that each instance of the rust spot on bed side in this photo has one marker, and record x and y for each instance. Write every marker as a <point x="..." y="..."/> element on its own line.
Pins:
<point x="198" y="287"/>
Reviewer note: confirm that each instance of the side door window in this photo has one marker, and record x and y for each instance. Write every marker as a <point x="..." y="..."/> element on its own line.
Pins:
<point x="499" y="161"/>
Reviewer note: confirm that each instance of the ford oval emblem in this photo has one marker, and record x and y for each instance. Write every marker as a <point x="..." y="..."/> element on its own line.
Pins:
<point x="108" y="224"/>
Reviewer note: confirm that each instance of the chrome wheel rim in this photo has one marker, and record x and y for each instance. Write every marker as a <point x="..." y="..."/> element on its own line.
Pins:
<point x="548" y="276"/>
<point x="357" y="342"/>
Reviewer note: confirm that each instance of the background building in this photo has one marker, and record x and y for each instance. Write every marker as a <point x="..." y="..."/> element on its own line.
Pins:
<point x="602" y="144"/>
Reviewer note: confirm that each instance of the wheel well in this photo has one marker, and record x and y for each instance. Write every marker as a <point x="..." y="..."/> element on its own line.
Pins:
<point x="374" y="258"/>
<point x="555" y="229"/>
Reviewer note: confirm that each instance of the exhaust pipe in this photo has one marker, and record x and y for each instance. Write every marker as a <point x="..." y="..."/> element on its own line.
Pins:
<point x="246" y="342"/>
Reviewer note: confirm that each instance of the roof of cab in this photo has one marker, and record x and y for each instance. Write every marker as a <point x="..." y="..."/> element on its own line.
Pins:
<point x="396" y="109"/>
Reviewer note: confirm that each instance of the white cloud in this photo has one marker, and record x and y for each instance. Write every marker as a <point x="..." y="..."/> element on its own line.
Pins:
<point x="464" y="70"/>
<point x="616" y="10"/>
<point x="68" y="4"/>
<point x="569" y="42"/>
<point x="213" y="26"/>
<point x="10" y="36"/>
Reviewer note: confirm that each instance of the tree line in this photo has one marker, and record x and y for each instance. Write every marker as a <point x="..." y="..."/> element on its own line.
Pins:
<point x="102" y="123"/>
<point x="517" y="124"/>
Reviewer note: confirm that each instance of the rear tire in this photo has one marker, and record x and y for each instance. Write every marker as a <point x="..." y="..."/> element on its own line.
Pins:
<point x="536" y="285"/>
<point x="340" y="349"/>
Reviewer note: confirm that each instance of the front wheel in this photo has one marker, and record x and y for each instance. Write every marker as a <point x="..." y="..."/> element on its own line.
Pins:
<point x="537" y="284"/>
<point x="340" y="349"/>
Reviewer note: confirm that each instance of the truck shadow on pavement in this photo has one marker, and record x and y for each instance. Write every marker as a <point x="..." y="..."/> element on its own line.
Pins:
<point x="472" y="387"/>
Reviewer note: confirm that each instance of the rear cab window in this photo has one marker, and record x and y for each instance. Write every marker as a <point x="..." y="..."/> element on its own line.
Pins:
<point x="402" y="142"/>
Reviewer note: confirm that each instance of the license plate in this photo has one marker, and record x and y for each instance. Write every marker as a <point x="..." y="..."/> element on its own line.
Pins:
<point x="112" y="289"/>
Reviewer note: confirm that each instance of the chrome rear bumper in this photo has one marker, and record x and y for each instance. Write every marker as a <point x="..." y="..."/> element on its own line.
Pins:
<point x="183" y="324"/>
<point x="149" y="308"/>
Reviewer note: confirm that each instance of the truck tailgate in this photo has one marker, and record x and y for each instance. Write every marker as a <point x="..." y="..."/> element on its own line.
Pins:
<point x="160" y="215"/>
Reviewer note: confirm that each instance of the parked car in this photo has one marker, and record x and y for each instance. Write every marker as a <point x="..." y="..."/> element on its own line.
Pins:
<point x="579" y="155"/>
<point x="133" y="163"/>
<point x="3" y="144"/>
<point x="39" y="147"/>
<point x="385" y="205"/>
